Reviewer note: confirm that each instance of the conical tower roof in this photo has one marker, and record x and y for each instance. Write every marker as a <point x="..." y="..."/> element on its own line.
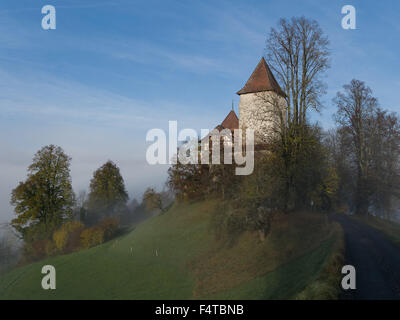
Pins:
<point x="231" y="121"/>
<point x="261" y="79"/>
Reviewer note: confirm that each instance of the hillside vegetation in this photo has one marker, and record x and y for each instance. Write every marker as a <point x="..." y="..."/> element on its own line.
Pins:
<point x="176" y="256"/>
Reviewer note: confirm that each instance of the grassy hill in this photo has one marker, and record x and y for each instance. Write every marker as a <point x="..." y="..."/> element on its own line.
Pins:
<point x="176" y="256"/>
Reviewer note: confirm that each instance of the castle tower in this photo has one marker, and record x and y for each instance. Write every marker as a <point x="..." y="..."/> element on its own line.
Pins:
<point x="262" y="103"/>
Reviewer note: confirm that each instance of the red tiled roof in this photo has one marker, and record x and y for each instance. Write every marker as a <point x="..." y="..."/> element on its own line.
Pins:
<point x="231" y="121"/>
<point x="261" y="79"/>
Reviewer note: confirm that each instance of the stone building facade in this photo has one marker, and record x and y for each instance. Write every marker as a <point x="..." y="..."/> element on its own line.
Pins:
<point x="262" y="105"/>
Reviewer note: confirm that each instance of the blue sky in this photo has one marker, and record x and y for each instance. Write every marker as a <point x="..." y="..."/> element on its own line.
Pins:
<point x="113" y="69"/>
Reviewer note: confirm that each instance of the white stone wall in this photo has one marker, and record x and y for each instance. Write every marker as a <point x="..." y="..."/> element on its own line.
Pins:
<point x="260" y="111"/>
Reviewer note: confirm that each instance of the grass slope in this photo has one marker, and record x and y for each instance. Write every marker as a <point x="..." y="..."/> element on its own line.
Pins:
<point x="175" y="256"/>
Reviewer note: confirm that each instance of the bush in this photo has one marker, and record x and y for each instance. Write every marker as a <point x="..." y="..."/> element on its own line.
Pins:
<point x="35" y="251"/>
<point x="67" y="238"/>
<point x="109" y="226"/>
<point x="70" y="237"/>
<point x="105" y="230"/>
<point x="229" y="222"/>
<point x="60" y="238"/>
<point x="92" y="237"/>
<point x="51" y="248"/>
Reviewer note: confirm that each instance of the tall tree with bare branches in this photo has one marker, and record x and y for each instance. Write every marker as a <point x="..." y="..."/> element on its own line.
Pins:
<point x="297" y="51"/>
<point x="355" y="115"/>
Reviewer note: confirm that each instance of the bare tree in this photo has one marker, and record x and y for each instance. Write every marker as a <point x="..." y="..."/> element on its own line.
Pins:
<point x="9" y="247"/>
<point x="385" y="163"/>
<point x="356" y="107"/>
<point x="80" y="209"/>
<point x="297" y="52"/>
<point x="341" y="157"/>
<point x="371" y="138"/>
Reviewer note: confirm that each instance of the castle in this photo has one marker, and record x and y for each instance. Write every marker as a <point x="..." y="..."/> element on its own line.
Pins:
<point x="262" y="105"/>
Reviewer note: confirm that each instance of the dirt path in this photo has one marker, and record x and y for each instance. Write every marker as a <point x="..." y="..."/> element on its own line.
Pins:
<point x="376" y="260"/>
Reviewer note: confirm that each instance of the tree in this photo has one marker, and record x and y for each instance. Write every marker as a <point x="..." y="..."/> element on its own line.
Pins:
<point x="366" y="152"/>
<point x="45" y="200"/>
<point x="80" y="209"/>
<point x="108" y="195"/>
<point x="356" y="109"/>
<point x="189" y="181"/>
<point x="297" y="52"/>
<point x="385" y="163"/>
<point x="340" y="157"/>
<point x="301" y="164"/>
<point x="153" y="200"/>
<point x="196" y="181"/>
<point x="9" y="247"/>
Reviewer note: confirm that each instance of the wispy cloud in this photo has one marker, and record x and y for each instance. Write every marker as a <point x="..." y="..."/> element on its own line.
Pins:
<point x="73" y="5"/>
<point x="164" y="57"/>
<point x="48" y="98"/>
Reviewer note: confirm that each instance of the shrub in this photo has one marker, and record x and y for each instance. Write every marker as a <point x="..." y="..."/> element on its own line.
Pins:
<point x="67" y="238"/>
<point x="60" y="238"/>
<point x="229" y="222"/>
<point x="51" y="248"/>
<point x="91" y="237"/>
<point x="74" y="239"/>
<point x="109" y="227"/>
<point x="34" y="251"/>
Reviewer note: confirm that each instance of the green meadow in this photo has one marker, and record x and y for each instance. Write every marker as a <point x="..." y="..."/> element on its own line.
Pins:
<point x="176" y="256"/>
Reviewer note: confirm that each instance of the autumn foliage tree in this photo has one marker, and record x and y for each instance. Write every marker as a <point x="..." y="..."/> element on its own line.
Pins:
<point x="188" y="181"/>
<point x="153" y="200"/>
<point x="197" y="181"/>
<point x="107" y="196"/>
<point x="45" y="199"/>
